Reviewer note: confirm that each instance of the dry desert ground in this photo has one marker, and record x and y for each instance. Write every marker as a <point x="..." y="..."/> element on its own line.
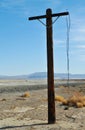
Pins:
<point x="24" y="105"/>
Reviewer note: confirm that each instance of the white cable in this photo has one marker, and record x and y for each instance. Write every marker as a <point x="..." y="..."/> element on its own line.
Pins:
<point x="67" y="46"/>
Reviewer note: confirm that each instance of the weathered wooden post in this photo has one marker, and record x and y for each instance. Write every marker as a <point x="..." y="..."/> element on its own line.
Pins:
<point x="50" y="68"/>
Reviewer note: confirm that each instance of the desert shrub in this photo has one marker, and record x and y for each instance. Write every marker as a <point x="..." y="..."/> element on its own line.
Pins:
<point x="26" y="94"/>
<point x="76" y="100"/>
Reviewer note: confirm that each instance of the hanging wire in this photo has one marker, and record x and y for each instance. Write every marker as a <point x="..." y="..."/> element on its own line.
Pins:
<point x="46" y="25"/>
<point x="68" y="24"/>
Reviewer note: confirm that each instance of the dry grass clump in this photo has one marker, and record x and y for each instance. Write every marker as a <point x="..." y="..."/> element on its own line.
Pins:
<point x="3" y="99"/>
<point x="76" y="100"/>
<point x="26" y="94"/>
<point x="61" y="99"/>
<point x="79" y="105"/>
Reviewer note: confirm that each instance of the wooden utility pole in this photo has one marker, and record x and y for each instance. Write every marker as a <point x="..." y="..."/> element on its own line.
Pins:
<point x="50" y="72"/>
<point x="50" y="67"/>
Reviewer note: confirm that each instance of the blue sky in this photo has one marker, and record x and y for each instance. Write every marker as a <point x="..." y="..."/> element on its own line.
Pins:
<point x="23" y="42"/>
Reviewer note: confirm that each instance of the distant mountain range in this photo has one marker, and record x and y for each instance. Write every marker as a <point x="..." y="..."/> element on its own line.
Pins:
<point x="43" y="75"/>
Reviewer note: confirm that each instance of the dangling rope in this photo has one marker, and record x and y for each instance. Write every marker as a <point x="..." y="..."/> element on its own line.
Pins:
<point x="67" y="46"/>
<point x="67" y="41"/>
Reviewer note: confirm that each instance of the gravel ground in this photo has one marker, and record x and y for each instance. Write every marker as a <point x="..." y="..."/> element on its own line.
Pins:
<point x="31" y="113"/>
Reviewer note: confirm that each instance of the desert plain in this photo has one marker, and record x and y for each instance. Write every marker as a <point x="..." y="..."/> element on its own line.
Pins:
<point x="24" y="105"/>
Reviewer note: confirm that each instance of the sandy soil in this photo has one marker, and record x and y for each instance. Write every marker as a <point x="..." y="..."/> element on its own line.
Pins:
<point x="31" y="113"/>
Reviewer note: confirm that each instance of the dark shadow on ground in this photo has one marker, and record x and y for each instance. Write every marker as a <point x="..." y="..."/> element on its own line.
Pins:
<point x="22" y="126"/>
